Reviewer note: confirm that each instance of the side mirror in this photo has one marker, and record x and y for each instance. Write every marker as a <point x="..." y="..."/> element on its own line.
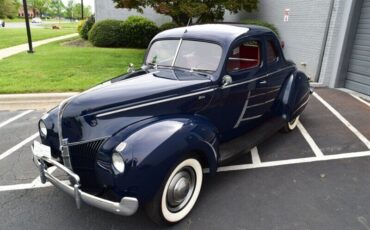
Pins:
<point x="131" y="68"/>
<point x="227" y="80"/>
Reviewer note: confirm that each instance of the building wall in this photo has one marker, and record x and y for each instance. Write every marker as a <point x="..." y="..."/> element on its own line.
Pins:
<point x="332" y="49"/>
<point x="303" y="34"/>
<point x="104" y="9"/>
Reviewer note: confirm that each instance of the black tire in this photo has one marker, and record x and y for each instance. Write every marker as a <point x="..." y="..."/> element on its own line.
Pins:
<point x="163" y="209"/>
<point x="290" y="126"/>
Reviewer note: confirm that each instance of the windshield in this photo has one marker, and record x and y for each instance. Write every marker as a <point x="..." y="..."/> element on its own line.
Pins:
<point x="192" y="55"/>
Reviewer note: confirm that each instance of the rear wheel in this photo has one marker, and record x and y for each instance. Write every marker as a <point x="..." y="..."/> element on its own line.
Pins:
<point x="291" y="125"/>
<point x="178" y="194"/>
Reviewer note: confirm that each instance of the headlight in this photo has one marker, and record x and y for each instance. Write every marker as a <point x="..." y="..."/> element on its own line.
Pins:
<point x="118" y="162"/>
<point x="43" y="129"/>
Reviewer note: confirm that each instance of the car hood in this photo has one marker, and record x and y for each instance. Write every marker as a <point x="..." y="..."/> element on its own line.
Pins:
<point x="109" y="107"/>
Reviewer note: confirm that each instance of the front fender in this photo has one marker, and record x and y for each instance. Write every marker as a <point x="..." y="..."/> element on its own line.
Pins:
<point x="155" y="148"/>
<point x="293" y="96"/>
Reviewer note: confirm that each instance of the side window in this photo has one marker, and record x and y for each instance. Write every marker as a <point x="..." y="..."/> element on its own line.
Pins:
<point x="272" y="55"/>
<point x="245" y="56"/>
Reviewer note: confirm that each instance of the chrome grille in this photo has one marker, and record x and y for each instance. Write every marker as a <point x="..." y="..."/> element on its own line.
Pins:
<point x="83" y="158"/>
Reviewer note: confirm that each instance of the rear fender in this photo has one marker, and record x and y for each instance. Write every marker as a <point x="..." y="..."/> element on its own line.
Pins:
<point x="294" y="96"/>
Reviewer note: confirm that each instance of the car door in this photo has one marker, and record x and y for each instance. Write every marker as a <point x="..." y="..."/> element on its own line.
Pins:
<point x="240" y="104"/>
<point x="275" y="65"/>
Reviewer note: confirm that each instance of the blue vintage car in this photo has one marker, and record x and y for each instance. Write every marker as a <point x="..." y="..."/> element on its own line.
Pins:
<point x="205" y="94"/>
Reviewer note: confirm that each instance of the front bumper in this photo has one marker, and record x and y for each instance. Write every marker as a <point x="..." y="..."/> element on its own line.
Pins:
<point x="126" y="207"/>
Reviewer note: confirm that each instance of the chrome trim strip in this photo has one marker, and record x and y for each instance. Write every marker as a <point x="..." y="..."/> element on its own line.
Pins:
<point x="302" y="105"/>
<point x="87" y="141"/>
<point x="213" y="149"/>
<point x="261" y="94"/>
<point x="255" y="79"/>
<point x="243" y="111"/>
<point x="252" y="118"/>
<point x="242" y="59"/>
<point x="154" y="102"/>
<point x="259" y="104"/>
<point x="177" y="52"/>
<point x="245" y="82"/>
<point x="63" y="142"/>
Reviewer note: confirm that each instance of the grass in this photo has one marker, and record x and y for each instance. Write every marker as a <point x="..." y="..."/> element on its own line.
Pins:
<point x="13" y="20"/>
<point x="59" y="68"/>
<point x="12" y="37"/>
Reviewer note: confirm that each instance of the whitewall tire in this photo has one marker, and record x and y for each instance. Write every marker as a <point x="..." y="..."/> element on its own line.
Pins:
<point x="291" y="125"/>
<point x="179" y="194"/>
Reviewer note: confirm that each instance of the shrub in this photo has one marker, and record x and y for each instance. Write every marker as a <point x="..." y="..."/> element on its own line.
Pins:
<point x="86" y="27"/>
<point x="80" y="25"/>
<point x="106" y="33"/>
<point x="167" y="26"/>
<point x="138" y="31"/>
<point x="262" y="23"/>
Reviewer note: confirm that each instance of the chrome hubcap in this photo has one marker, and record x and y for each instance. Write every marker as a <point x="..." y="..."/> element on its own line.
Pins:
<point x="180" y="189"/>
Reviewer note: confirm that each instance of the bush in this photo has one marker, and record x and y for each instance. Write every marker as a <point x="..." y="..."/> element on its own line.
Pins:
<point x="262" y="23"/>
<point x="80" y="25"/>
<point x="106" y="33"/>
<point x="138" y="31"/>
<point x="167" y="26"/>
<point x="86" y="27"/>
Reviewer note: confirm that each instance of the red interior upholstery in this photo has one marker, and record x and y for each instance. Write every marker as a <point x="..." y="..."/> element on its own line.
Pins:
<point x="237" y="60"/>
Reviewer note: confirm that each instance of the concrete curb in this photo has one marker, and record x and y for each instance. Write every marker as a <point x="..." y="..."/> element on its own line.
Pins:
<point x="38" y="101"/>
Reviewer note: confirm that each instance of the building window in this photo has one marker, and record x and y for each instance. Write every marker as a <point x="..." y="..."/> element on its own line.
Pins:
<point x="245" y="56"/>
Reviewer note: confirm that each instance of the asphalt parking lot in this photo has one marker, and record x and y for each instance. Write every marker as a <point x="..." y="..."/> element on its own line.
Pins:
<point x="317" y="177"/>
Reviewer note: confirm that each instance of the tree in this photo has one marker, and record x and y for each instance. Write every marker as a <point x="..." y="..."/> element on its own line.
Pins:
<point x="77" y="11"/>
<point x="41" y="5"/>
<point x="55" y="8"/>
<point x="68" y="13"/>
<point x="9" y="8"/>
<point x="181" y="11"/>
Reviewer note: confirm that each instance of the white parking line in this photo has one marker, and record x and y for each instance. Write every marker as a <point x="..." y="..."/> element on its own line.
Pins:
<point x="6" y="188"/>
<point x="294" y="161"/>
<point x="255" y="156"/>
<point x="316" y="150"/>
<point x="18" y="146"/>
<point x="15" y="118"/>
<point x="344" y="121"/>
<point x="360" y="99"/>
<point x="37" y="181"/>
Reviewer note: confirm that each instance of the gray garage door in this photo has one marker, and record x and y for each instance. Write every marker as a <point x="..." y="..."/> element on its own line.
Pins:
<point x="358" y="75"/>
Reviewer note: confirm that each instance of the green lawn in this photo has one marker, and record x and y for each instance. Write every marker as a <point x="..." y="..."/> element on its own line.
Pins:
<point x="59" y="68"/>
<point x="11" y="37"/>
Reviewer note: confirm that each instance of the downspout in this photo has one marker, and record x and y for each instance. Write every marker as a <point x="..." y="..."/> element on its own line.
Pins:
<point x="325" y="41"/>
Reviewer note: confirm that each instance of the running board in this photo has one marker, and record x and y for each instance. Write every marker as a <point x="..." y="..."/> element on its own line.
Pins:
<point x="233" y="149"/>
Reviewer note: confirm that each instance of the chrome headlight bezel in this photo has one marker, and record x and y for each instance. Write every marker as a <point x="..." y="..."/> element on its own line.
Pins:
<point x="118" y="162"/>
<point x="43" y="129"/>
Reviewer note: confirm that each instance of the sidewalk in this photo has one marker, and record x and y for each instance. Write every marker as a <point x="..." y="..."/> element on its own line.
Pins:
<point x="38" y="101"/>
<point x="7" y="52"/>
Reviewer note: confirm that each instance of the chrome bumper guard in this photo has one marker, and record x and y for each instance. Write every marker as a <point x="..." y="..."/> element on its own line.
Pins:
<point x="128" y="205"/>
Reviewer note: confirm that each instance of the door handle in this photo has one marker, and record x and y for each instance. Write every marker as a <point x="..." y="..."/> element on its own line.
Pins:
<point x="264" y="82"/>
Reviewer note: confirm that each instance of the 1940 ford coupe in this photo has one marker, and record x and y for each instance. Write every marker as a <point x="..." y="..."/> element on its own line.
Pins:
<point x="205" y="94"/>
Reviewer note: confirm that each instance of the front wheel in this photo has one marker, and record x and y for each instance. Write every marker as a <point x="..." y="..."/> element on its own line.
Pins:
<point x="179" y="193"/>
<point x="290" y="126"/>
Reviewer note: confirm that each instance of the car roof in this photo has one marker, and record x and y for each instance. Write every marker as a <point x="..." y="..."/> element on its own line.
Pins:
<point x="220" y="33"/>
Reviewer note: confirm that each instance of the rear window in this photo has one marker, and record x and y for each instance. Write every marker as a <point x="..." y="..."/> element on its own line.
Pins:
<point x="245" y="56"/>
